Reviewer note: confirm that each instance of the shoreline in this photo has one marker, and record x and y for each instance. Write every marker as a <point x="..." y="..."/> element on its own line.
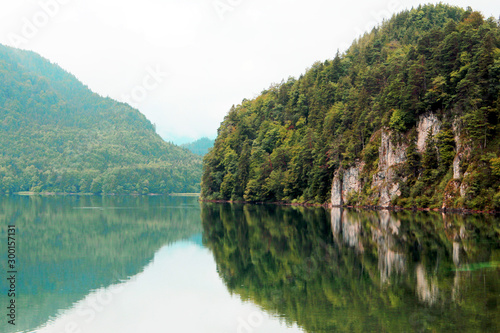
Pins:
<point x="278" y="203"/>
<point x="62" y="194"/>
<point x="375" y="208"/>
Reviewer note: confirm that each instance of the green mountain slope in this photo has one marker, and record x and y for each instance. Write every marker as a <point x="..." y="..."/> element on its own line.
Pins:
<point x="57" y="135"/>
<point x="337" y="122"/>
<point x="200" y="146"/>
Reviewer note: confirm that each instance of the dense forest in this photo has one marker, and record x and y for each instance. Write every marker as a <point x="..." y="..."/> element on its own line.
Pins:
<point x="437" y="61"/>
<point x="58" y="136"/>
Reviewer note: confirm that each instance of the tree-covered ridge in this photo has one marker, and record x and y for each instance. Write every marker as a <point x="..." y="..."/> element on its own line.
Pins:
<point x="287" y="144"/>
<point x="57" y="135"/>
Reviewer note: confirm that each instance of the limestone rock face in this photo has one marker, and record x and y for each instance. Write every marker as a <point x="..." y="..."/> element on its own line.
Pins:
<point x="346" y="182"/>
<point x="337" y="190"/>
<point x="390" y="156"/>
<point x="456" y="167"/>
<point x="456" y="131"/>
<point x="464" y="187"/>
<point x="460" y="151"/>
<point x="426" y="123"/>
<point x="351" y="180"/>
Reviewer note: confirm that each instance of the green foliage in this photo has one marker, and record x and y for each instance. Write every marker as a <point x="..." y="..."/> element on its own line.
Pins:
<point x="477" y="126"/>
<point x="496" y="201"/>
<point x="495" y="166"/>
<point x="434" y="59"/>
<point x="398" y="121"/>
<point x="58" y="136"/>
<point x="445" y="141"/>
<point x="371" y="152"/>
<point x="413" y="160"/>
<point x="481" y="183"/>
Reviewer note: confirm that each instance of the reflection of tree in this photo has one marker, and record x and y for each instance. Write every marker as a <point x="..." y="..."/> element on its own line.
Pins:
<point x="379" y="271"/>
<point x="68" y="246"/>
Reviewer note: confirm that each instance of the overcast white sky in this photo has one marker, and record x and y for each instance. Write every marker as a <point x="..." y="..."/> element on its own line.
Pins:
<point x="183" y="63"/>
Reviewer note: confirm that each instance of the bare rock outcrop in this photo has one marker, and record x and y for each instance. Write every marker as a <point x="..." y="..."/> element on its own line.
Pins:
<point x="346" y="182"/>
<point x="461" y="152"/>
<point x="457" y="187"/>
<point x="337" y="199"/>
<point x="427" y="123"/>
<point x="390" y="156"/>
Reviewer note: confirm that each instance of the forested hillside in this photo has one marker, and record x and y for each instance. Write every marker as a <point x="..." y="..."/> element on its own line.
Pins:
<point x="357" y="121"/>
<point x="56" y="135"/>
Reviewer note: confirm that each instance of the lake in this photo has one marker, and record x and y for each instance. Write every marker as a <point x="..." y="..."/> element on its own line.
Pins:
<point x="172" y="264"/>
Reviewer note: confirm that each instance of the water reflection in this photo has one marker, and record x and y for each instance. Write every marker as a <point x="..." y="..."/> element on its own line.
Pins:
<point x="69" y="246"/>
<point x="128" y="264"/>
<point x="120" y="264"/>
<point x="349" y="270"/>
<point x="179" y="291"/>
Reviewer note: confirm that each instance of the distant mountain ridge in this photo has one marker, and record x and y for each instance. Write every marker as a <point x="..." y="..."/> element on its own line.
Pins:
<point x="199" y="147"/>
<point x="58" y="136"/>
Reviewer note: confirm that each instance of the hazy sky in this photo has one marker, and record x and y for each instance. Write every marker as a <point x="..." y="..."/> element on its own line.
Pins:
<point x="183" y="63"/>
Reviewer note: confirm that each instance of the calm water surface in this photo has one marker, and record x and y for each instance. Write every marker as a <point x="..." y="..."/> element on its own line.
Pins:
<point x="171" y="264"/>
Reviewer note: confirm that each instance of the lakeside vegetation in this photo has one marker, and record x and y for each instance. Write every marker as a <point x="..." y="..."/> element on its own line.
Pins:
<point x="286" y="144"/>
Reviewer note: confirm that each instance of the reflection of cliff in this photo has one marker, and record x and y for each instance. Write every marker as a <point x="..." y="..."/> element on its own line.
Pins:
<point x="379" y="271"/>
<point x="391" y="259"/>
<point x="383" y="228"/>
<point x="347" y="227"/>
<point x="68" y="246"/>
<point x="427" y="289"/>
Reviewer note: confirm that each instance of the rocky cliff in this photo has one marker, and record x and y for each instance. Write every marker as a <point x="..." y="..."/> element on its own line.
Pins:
<point x="346" y="182"/>
<point x="386" y="180"/>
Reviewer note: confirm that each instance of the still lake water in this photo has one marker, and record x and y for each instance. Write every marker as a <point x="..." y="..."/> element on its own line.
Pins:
<point x="171" y="264"/>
